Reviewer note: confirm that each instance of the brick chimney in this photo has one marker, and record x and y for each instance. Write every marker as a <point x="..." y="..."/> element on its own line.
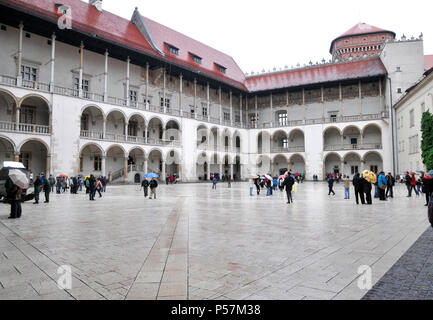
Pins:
<point x="97" y="4"/>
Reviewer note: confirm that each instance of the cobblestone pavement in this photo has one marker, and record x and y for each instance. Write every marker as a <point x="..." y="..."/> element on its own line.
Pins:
<point x="411" y="278"/>
<point x="197" y="243"/>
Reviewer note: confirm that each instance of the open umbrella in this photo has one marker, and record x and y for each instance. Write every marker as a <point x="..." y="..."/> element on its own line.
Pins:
<point x="63" y="176"/>
<point x="282" y="177"/>
<point x="151" y="175"/>
<point x="268" y="177"/>
<point x="19" y="178"/>
<point x="430" y="173"/>
<point x="254" y="176"/>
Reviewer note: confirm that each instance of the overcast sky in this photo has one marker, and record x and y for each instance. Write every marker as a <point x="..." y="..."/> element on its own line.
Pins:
<point x="266" y="34"/>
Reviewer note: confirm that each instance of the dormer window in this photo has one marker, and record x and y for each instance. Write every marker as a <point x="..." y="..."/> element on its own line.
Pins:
<point x="221" y="68"/>
<point x="172" y="49"/>
<point x="195" y="58"/>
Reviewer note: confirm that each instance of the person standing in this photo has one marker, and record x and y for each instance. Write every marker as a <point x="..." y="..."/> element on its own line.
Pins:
<point x="145" y="186"/>
<point x="92" y="187"/>
<point x="382" y="185"/>
<point x="408" y="182"/>
<point x="366" y="187"/>
<point x="390" y="182"/>
<point x="229" y="180"/>
<point x="52" y="182"/>
<point x="37" y="189"/>
<point x="256" y="183"/>
<point x="46" y="188"/>
<point x="99" y="187"/>
<point x="15" y="193"/>
<point x="346" y="187"/>
<point x="427" y="182"/>
<point x="214" y="182"/>
<point x="288" y="184"/>
<point x="413" y="184"/>
<point x="331" y="185"/>
<point x="357" y="184"/>
<point x="275" y="183"/>
<point x="153" y="185"/>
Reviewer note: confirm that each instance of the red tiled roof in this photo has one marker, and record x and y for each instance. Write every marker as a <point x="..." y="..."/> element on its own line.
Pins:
<point x="317" y="74"/>
<point x="359" y="29"/>
<point x="428" y="62"/>
<point x="163" y="35"/>
<point x="86" y="18"/>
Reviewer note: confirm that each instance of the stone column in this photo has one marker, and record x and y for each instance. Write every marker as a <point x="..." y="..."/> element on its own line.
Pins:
<point x="53" y="58"/>
<point x="147" y="106"/>
<point x="257" y="114"/>
<point x="240" y="109"/>
<point x="20" y="54"/>
<point x="272" y="113"/>
<point x="17" y="118"/>
<point x="125" y="167"/>
<point x="195" y="99"/>
<point x="126" y="130"/>
<point x="104" y="128"/>
<point x="180" y="93"/>
<point x="231" y="107"/>
<point x="106" y="77"/>
<point x="341" y="101"/>
<point x="360" y="97"/>
<point x="48" y="166"/>
<point x="246" y="111"/>
<point x="303" y="104"/>
<point x="163" y="133"/>
<point x="17" y="156"/>
<point x="207" y="170"/>
<point x="221" y="170"/>
<point x="287" y="106"/>
<point x="145" y="133"/>
<point x="103" y="159"/>
<point x="342" y="167"/>
<point x="231" y="171"/>
<point x="163" y="171"/>
<point x="323" y="103"/>
<point x="220" y="103"/>
<point x="163" y="91"/>
<point x="145" y="164"/>
<point x="128" y="102"/>
<point x="208" y="101"/>
<point x="80" y="79"/>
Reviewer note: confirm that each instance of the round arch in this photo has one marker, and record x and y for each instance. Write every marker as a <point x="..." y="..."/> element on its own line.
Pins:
<point x="47" y="148"/>
<point x="154" y="118"/>
<point x="297" y="163"/>
<point x="369" y="153"/>
<point x="94" y="144"/>
<point x="117" y="110"/>
<point x="112" y="146"/>
<point x="34" y="95"/>
<point x="137" y="114"/>
<point x="9" y="93"/>
<point x="84" y="108"/>
<point x="10" y="141"/>
<point x="331" y="128"/>
<point x="370" y="125"/>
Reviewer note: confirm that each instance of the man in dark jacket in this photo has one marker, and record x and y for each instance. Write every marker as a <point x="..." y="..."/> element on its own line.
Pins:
<point x="390" y="185"/>
<point x="366" y="187"/>
<point x="153" y="185"/>
<point x="15" y="202"/>
<point x="427" y="182"/>
<point x="357" y="184"/>
<point x="288" y="184"/>
<point x="92" y="187"/>
<point x="145" y="186"/>
<point x="37" y="189"/>
<point x="331" y="185"/>
<point x="408" y="181"/>
<point x="47" y="188"/>
<point x="256" y="183"/>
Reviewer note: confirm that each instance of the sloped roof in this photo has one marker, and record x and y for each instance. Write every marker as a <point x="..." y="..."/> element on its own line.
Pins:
<point x="163" y="35"/>
<point x="86" y="18"/>
<point x="428" y="61"/>
<point x="317" y="74"/>
<point x="360" y="29"/>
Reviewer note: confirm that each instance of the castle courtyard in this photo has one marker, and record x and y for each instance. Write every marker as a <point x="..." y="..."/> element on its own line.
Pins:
<point x="193" y="242"/>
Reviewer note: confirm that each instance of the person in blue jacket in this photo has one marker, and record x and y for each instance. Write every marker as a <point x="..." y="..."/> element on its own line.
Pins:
<point x="381" y="184"/>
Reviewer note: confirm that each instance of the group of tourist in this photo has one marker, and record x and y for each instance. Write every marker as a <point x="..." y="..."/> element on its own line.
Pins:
<point x="424" y="184"/>
<point x="172" y="179"/>
<point x="152" y="184"/>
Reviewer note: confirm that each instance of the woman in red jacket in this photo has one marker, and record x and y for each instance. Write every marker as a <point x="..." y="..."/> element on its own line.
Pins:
<point x="413" y="184"/>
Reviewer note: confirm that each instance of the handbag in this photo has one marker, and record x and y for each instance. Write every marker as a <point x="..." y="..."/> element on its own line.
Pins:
<point x="383" y="186"/>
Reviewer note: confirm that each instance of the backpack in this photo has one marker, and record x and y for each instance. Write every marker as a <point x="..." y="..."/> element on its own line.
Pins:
<point x="87" y="182"/>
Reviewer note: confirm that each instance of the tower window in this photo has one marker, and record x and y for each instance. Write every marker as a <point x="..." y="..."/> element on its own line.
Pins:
<point x="195" y="58"/>
<point x="221" y="68"/>
<point x="172" y="49"/>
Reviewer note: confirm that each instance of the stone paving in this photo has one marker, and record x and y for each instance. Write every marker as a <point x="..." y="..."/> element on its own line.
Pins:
<point x="197" y="243"/>
<point x="411" y="278"/>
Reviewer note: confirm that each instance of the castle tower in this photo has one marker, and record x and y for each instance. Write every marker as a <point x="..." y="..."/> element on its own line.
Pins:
<point x="359" y="41"/>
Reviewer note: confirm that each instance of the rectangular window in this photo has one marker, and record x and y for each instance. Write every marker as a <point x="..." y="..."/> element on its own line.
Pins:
<point x="172" y="49"/>
<point x="195" y="58"/>
<point x="237" y="118"/>
<point x="132" y="95"/>
<point x="412" y="118"/>
<point x="77" y="86"/>
<point x="226" y="116"/>
<point x="28" y="115"/>
<point x="221" y="68"/>
<point x="85" y="122"/>
<point x="285" y="143"/>
<point x="282" y="119"/>
<point x="29" y="76"/>
<point x="97" y="163"/>
<point x="374" y="168"/>
<point x="354" y="169"/>
<point x="333" y="118"/>
<point x="204" y="111"/>
<point x="413" y="144"/>
<point x="253" y="119"/>
<point x="167" y="102"/>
